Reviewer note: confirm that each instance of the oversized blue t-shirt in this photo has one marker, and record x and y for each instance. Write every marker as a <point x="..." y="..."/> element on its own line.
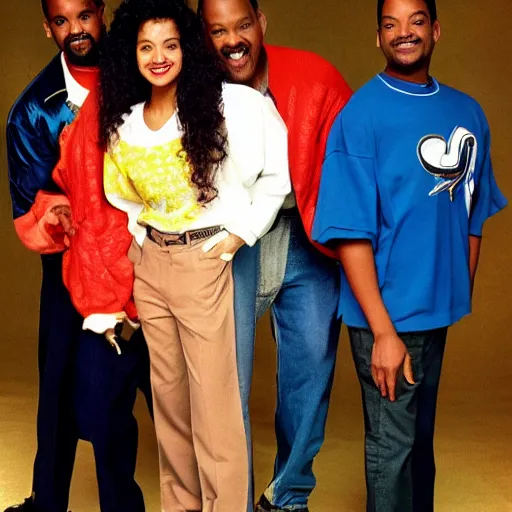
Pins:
<point x="408" y="167"/>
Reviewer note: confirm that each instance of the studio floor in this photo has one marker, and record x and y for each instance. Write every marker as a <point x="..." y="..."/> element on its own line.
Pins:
<point x="474" y="447"/>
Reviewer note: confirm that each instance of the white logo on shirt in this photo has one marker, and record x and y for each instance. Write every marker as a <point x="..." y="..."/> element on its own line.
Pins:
<point x="451" y="163"/>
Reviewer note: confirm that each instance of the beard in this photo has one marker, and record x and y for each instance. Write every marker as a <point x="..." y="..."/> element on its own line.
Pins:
<point x="405" y="67"/>
<point x="87" y="58"/>
<point x="411" y="68"/>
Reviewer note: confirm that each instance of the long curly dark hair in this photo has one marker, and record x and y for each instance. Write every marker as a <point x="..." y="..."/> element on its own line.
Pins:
<point x="199" y="88"/>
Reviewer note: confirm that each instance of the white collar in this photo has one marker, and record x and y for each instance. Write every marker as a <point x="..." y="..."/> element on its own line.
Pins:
<point x="76" y="92"/>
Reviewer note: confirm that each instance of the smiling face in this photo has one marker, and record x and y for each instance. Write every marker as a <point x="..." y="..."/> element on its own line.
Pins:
<point x="236" y="32"/>
<point x="76" y="26"/>
<point x="407" y="36"/>
<point x="159" y="54"/>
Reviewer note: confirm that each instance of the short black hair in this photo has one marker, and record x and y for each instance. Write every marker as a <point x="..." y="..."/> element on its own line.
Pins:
<point x="431" y="6"/>
<point x="200" y="6"/>
<point x="44" y="5"/>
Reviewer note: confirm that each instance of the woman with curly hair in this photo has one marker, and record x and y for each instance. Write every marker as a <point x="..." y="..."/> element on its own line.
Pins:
<point x="201" y="168"/>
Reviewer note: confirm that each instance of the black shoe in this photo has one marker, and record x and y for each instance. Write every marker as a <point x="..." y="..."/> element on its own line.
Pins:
<point x="265" y="506"/>
<point x="26" y="506"/>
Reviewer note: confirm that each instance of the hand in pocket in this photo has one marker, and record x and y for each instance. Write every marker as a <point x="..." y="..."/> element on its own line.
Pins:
<point x="223" y="245"/>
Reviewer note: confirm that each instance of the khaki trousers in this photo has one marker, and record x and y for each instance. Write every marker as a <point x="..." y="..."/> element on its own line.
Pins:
<point x="185" y="304"/>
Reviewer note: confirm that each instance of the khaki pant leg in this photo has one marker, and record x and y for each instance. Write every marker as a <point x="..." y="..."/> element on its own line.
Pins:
<point x="179" y="478"/>
<point x="204" y="311"/>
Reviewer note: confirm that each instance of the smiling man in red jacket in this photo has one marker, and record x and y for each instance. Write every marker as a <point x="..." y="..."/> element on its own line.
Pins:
<point x="296" y="281"/>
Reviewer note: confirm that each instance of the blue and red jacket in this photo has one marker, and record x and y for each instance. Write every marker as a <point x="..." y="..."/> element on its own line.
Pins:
<point x="34" y="126"/>
<point x="55" y="158"/>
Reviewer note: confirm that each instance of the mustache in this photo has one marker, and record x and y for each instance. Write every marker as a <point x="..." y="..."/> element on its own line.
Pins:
<point x="83" y="36"/>
<point x="408" y="39"/>
<point x="226" y="50"/>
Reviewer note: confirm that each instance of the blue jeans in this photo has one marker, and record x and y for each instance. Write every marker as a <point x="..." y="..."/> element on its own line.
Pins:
<point x="301" y="287"/>
<point x="245" y="279"/>
<point x="399" y="436"/>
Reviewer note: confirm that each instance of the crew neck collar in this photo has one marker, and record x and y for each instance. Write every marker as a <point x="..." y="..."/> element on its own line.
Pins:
<point x="410" y="88"/>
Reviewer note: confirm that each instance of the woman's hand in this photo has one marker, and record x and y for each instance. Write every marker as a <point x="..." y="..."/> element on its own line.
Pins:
<point x="222" y="246"/>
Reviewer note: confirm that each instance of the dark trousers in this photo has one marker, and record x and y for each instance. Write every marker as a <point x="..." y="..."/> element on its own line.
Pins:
<point x="86" y="391"/>
<point x="399" y="436"/>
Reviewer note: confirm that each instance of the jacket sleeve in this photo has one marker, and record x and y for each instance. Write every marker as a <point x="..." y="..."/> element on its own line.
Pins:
<point x="40" y="230"/>
<point x="331" y="99"/>
<point x="32" y="154"/>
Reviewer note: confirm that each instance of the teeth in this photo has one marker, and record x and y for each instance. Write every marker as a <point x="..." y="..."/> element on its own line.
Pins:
<point x="160" y="71"/>
<point x="237" y="56"/>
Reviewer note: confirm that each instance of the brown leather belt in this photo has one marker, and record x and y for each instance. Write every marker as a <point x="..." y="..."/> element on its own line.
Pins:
<point x="165" y="239"/>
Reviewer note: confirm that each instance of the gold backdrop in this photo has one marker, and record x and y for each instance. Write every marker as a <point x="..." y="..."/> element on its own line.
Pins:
<point x="473" y="55"/>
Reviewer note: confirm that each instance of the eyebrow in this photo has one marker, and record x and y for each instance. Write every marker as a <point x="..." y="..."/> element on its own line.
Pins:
<point x="166" y="41"/>
<point x="424" y="13"/>
<point x="81" y="13"/>
<point x="241" y="20"/>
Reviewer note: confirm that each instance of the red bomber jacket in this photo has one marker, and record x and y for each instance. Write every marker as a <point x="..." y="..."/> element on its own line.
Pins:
<point x="309" y="94"/>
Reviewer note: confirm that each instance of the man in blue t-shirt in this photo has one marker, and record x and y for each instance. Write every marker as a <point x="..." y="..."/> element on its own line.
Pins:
<point x="407" y="185"/>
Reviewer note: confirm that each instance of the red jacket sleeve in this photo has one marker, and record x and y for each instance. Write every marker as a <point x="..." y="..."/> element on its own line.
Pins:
<point x="40" y="230"/>
<point x="335" y="97"/>
<point x="309" y="92"/>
